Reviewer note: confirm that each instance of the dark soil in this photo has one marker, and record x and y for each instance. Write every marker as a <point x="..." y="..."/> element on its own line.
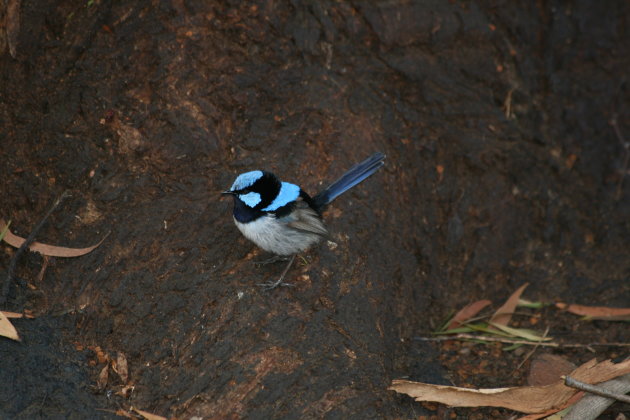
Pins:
<point x="502" y="168"/>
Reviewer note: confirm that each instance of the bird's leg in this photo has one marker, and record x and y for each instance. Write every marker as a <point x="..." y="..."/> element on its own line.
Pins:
<point x="273" y="285"/>
<point x="272" y="260"/>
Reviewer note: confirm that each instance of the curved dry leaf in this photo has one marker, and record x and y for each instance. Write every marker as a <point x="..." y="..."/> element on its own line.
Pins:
<point x="503" y="315"/>
<point x="123" y="413"/>
<point x="7" y="329"/>
<point x="525" y="399"/>
<point x="121" y="367"/>
<point x="50" y="250"/>
<point x="147" y="415"/>
<point x="597" y="312"/>
<point x="554" y="411"/>
<point x="103" y="377"/>
<point x="467" y="312"/>
<point x="10" y="314"/>
<point x="528" y="399"/>
<point x="547" y="369"/>
<point x="126" y="391"/>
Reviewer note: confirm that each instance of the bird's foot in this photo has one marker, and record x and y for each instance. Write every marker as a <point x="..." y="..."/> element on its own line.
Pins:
<point x="272" y="285"/>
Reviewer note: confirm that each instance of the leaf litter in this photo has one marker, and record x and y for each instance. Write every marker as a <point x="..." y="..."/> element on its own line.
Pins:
<point x="596" y="312"/>
<point x="44" y="249"/>
<point x="497" y="325"/>
<point x="503" y="315"/>
<point x="467" y="312"/>
<point x="526" y="399"/>
<point x="546" y="393"/>
<point x="7" y="329"/>
<point x="147" y="415"/>
<point x="120" y="367"/>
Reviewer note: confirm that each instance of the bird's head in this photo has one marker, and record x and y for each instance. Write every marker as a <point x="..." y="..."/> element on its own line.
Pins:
<point x="263" y="191"/>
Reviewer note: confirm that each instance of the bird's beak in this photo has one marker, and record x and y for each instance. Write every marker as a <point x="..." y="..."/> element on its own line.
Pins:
<point x="227" y="193"/>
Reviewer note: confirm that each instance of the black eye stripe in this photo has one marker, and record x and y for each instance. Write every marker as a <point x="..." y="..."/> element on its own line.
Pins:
<point x="267" y="186"/>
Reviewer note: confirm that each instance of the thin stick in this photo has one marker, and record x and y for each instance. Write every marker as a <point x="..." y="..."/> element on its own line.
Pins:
<point x="26" y="244"/>
<point x="532" y="350"/>
<point x="465" y="336"/>
<point x="574" y="383"/>
<point x="591" y="406"/>
<point x="626" y="146"/>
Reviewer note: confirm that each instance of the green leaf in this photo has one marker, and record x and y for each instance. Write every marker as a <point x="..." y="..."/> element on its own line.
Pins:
<point x="457" y="330"/>
<point x="5" y="230"/>
<point x="443" y="325"/>
<point x="484" y="328"/>
<point x="532" y="305"/>
<point x="522" y="333"/>
<point x="512" y="347"/>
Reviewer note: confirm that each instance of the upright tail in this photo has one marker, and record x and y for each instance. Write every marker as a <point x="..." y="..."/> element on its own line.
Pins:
<point x="355" y="175"/>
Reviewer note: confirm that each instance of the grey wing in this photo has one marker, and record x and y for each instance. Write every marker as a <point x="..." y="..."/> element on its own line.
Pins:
<point x="305" y="219"/>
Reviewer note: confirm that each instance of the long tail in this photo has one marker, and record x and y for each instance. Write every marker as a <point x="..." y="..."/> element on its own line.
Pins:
<point x="355" y="175"/>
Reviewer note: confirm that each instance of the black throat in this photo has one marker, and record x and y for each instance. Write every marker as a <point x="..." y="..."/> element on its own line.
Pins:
<point x="243" y="213"/>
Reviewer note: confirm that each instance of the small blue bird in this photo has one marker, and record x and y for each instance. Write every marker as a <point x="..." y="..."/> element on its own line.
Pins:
<point x="280" y="217"/>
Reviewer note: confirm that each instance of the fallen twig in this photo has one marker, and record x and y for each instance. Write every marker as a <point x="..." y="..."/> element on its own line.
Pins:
<point x="626" y="146"/>
<point x="465" y="336"/>
<point x="528" y="355"/>
<point x="573" y="383"/>
<point x="591" y="406"/>
<point x="29" y="240"/>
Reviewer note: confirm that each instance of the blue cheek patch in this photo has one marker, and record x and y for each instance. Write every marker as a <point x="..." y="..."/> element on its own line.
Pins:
<point x="288" y="192"/>
<point x="246" y="180"/>
<point x="251" y="199"/>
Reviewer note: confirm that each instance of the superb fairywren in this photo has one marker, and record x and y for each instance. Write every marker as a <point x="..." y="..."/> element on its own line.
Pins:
<point x="281" y="218"/>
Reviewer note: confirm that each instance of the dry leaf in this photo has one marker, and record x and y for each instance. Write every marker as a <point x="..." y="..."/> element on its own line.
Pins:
<point x="9" y="314"/>
<point x="467" y="312"/>
<point x="440" y="171"/>
<point x="148" y="416"/>
<point x="529" y="399"/>
<point x="559" y="410"/>
<point x="42" y="271"/>
<point x="7" y="329"/>
<point x="126" y="391"/>
<point x="122" y="413"/>
<point x="503" y="315"/>
<point x="50" y="250"/>
<point x="101" y="382"/>
<point x="13" y="25"/>
<point x="100" y="354"/>
<point x="570" y="160"/>
<point x="597" y="312"/>
<point x="547" y="369"/>
<point x="121" y="368"/>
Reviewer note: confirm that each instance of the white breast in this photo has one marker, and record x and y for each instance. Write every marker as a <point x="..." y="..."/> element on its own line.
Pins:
<point x="275" y="235"/>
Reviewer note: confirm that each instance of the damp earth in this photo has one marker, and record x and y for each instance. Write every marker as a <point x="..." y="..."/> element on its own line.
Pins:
<point x="503" y="126"/>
